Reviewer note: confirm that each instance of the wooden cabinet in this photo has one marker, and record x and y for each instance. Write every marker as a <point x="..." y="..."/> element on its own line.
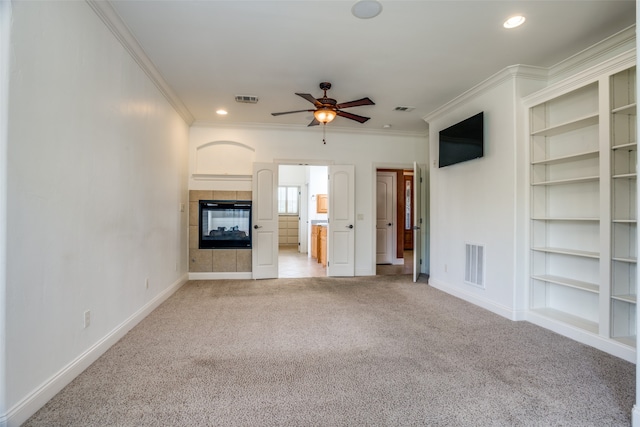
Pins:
<point x="321" y="203"/>
<point x="322" y="249"/>
<point x="583" y="218"/>
<point x="314" y="241"/>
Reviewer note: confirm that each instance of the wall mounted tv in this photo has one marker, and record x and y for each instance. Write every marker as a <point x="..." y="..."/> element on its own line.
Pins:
<point x="462" y="141"/>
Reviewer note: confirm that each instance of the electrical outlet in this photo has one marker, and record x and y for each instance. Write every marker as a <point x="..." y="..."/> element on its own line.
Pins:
<point x="146" y="283"/>
<point x="87" y="318"/>
<point x="445" y="268"/>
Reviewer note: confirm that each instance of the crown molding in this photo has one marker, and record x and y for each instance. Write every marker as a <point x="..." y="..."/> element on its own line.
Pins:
<point x="506" y="74"/>
<point x="305" y="128"/>
<point x="617" y="63"/>
<point x="112" y="20"/>
<point x="619" y="42"/>
<point x="618" y="45"/>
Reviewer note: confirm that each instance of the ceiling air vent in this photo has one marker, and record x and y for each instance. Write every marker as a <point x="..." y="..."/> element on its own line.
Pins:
<point x="248" y="99"/>
<point x="402" y="108"/>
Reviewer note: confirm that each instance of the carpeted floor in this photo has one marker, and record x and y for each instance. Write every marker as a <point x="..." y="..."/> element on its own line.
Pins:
<point x="375" y="351"/>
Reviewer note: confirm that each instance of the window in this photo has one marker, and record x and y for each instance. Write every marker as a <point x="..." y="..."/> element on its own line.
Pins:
<point x="288" y="200"/>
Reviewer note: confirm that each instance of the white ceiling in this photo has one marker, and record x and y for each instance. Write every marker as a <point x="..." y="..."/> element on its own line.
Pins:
<point x="415" y="53"/>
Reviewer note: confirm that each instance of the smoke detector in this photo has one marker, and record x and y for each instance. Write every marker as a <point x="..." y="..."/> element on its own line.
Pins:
<point x="402" y="108"/>
<point x="247" y="99"/>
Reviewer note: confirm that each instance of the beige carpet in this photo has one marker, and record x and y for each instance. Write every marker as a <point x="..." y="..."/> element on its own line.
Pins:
<point x="375" y="351"/>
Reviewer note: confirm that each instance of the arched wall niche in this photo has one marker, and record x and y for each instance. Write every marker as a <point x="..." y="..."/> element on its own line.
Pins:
<point x="225" y="158"/>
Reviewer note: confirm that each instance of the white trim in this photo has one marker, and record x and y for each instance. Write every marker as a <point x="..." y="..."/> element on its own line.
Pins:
<point x="220" y="276"/>
<point x="112" y="20"/>
<point x="619" y="62"/>
<point x="593" y="53"/>
<point x="607" y="345"/>
<point x="35" y="400"/>
<point x="220" y="177"/>
<point x="504" y="75"/>
<point x="5" y="73"/>
<point x="635" y="416"/>
<point x="305" y="128"/>
<point x="485" y="303"/>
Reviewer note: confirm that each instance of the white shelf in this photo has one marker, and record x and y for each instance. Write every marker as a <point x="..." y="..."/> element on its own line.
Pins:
<point x="569" y="219"/>
<point x="630" y="146"/>
<point x="625" y="176"/>
<point x="563" y="317"/>
<point x="629" y="260"/>
<point x="630" y="341"/>
<point x="563" y="281"/>
<point x="568" y="158"/>
<point x="573" y="252"/>
<point x="629" y="109"/>
<point x="631" y="299"/>
<point x="579" y="123"/>
<point x="568" y="181"/>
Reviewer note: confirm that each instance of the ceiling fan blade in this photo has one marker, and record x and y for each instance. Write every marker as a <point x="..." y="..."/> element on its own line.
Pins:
<point x="355" y="117"/>
<point x="356" y="103"/>
<point x="309" y="98"/>
<point x="289" y="112"/>
<point x="314" y="122"/>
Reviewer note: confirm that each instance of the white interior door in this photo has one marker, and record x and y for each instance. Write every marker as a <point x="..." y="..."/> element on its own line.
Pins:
<point x="265" y="221"/>
<point x="341" y="224"/>
<point x="417" y="221"/>
<point x="385" y="195"/>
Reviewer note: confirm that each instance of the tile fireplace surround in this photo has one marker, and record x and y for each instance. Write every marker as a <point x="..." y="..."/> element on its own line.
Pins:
<point x="214" y="260"/>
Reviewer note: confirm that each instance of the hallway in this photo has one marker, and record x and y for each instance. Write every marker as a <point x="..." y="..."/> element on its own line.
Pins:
<point x="292" y="264"/>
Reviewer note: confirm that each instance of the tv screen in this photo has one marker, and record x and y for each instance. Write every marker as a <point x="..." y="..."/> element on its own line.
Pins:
<point x="462" y="141"/>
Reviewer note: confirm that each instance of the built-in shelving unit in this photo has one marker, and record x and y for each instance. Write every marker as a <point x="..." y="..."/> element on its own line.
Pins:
<point x="583" y="219"/>
<point x="624" y="255"/>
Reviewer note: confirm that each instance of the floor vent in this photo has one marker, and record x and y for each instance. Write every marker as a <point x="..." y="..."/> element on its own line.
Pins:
<point x="474" y="265"/>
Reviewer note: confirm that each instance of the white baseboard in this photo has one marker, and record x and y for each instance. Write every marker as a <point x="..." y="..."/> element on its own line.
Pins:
<point x="220" y="276"/>
<point x="35" y="400"/>
<point x="635" y="416"/>
<point x="608" y="346"/>
<point x="476" y="300"/>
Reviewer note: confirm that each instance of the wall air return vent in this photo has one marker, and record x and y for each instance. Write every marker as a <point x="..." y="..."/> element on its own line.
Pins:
<point x="404" y="109"/>
<point x="247" y="99"/>
<point x="474" y="265"/>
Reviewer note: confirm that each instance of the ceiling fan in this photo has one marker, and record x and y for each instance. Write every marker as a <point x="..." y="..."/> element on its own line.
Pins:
<point x="327" y="108"/>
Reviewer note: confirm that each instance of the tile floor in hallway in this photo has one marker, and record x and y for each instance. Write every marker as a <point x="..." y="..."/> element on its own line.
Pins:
<point x="291" y="263"/>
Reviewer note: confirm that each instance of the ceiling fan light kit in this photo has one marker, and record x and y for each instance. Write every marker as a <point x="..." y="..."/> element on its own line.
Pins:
<point x="324" y="115"/>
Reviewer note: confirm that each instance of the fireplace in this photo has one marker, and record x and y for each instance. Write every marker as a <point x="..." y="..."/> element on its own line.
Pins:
<point x="224" y="224"/>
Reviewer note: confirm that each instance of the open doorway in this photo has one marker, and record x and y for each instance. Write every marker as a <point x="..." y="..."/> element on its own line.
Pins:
<point x="302" y="220"/>
<point x="394" y="221"/>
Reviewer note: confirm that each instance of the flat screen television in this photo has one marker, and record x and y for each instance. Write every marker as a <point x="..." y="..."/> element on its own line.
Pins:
<point x="462" y="141"/>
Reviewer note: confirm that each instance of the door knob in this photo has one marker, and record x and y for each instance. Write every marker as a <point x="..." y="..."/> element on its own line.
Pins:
<point x="389" y="224"/>
<point x="257" y="226"/>
<point x="349" y="226"/>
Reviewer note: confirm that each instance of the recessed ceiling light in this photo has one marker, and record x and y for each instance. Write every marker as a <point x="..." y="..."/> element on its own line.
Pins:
<point x="366" y="9"/>
<point x="386" y="126"/>
<point x="221" y="112"/>
<point x="514" y="21"/>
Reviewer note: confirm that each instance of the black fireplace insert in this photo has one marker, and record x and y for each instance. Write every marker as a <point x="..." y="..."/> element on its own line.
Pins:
<point x="225" y="224"/>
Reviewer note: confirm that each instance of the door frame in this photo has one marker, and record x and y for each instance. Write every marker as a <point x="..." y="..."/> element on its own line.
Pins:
<point x="424" y="239"/>
<point x="304" y="189"/>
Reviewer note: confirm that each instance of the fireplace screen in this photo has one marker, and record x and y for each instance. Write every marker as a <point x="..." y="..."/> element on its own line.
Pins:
<point x="225" y="224"/>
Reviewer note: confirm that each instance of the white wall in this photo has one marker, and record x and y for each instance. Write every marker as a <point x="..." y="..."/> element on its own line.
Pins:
<point x="481" y="201"/>
<point x="97" y="166"/>
<point x="267" y="144"/>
